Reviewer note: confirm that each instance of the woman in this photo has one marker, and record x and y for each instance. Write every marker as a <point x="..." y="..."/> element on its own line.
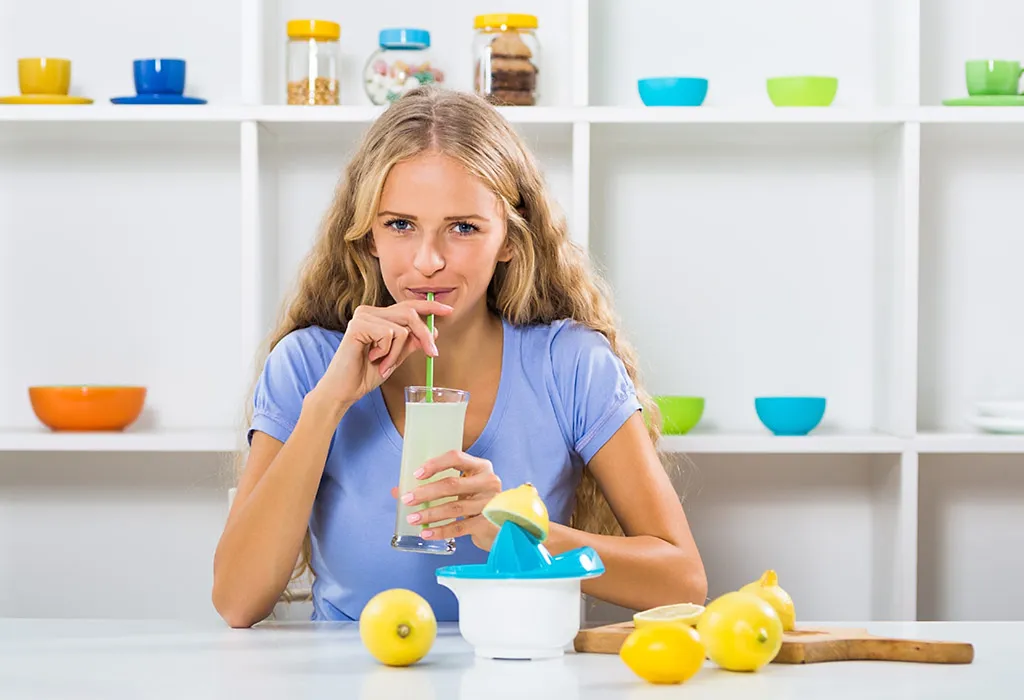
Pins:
<point x="443" y="197"/>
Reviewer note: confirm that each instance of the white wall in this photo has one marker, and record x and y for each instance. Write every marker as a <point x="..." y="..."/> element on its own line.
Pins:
<point x="746" y="258"/>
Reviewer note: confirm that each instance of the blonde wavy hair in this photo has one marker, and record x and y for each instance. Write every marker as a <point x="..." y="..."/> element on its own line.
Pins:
<point x="548" y="277"/>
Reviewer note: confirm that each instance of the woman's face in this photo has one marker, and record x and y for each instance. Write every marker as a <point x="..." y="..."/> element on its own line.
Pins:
<point x="438" y="229"/>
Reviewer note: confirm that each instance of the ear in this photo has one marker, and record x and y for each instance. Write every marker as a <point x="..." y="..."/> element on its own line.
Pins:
<point x="505" y="252"/>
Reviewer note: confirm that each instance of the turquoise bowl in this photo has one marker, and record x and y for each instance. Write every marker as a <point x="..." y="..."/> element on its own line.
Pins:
<point x="790" y="415"/>
<point x="672" y="92"/>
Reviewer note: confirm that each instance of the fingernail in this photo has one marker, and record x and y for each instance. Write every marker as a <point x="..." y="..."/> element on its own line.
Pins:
<point x="407" y="498"/>
<point x="413" y="518"/>
<point x="433" y="346"/>
<point x="419" y="473"/>
<point x="426" y="534"/>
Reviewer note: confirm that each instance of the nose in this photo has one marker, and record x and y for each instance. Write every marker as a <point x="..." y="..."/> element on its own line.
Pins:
<point x="429" y="257"/>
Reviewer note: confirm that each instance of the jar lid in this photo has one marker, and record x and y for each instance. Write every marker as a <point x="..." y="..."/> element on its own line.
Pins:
<point x="314" y="29"/>
<point x="513" y="21"/>
<point x="404" y="38"/>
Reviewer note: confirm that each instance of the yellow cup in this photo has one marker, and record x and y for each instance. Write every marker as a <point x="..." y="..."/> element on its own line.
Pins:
<point x="44" y="76"/>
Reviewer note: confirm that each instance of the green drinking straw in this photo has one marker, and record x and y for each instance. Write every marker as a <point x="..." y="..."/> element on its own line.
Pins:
<point x="430" y="358"/>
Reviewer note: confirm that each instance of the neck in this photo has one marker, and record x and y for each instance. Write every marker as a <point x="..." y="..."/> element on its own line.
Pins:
<point x="465" y="349"/>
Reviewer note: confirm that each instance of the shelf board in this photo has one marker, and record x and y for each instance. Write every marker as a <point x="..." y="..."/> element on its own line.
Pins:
<point x="123" y="113"/>
<point x="969" y="443"/>
<point x="969" y="115"/>
<point x="41" y="440"/>
<point x="743" y="115"/>
<point x="763" y="443"/>
<point x="635" y="114"/>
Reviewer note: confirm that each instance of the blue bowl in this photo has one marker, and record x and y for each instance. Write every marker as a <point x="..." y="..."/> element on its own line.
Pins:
<point x="790" y="415"/>
<point x="673" y="92"/>
<point x="159" y="76"/>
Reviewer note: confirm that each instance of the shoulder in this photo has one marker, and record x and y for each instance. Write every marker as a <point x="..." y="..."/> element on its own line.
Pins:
<point x="566" y="346"/>
<point x="312" y="344"/>
<point x="590" y="385"/>
<point x="292" y="368"/>
<point x="302" y="356"/>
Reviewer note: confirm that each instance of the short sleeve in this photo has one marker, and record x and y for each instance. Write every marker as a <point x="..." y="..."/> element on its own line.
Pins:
<point x="291" y="370"/>
<point x="596" y="392"/>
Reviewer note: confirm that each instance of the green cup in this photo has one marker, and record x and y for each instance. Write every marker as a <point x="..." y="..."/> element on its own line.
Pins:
<point x="993" y="77"/>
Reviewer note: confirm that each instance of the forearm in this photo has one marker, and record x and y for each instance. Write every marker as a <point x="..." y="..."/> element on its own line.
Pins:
<point x="641" y="572"/>
<point x="257" y="553"/>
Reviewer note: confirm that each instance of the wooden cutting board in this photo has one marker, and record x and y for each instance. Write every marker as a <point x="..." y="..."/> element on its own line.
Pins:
<point x="812" y="645"/>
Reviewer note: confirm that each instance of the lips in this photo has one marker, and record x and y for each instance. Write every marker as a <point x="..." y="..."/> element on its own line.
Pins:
<point x="440" y="293"/>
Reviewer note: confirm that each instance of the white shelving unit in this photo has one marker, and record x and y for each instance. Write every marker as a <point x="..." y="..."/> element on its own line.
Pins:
<point x="864" y="252"/>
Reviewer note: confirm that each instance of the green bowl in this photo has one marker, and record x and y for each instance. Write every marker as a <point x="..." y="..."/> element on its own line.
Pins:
<point x="679" y="413"/>
<point x="802" y="91"/>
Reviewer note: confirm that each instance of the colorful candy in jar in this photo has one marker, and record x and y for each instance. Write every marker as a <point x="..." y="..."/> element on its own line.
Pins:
<point x="401" y="64"/>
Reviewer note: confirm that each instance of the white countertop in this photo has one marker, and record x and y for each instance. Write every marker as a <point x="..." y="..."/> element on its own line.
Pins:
<point x="108" y="659"/>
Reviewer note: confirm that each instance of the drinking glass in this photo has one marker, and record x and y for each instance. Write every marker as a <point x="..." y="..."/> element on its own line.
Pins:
<point x="434" y="421"/>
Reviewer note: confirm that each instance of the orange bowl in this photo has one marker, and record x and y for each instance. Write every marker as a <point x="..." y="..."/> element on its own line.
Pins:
<point x="87" y="407"/>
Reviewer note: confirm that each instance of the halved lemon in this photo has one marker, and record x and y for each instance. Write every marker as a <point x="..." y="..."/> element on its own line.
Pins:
<point x="680" y="613"/>
<point x="522" y="506"/>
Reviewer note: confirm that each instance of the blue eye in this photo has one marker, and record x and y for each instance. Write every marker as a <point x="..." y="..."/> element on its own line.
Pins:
<point x="399" y="224"/>
<point x="464" y="228"/>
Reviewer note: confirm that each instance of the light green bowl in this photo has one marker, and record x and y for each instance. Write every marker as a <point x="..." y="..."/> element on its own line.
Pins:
<point x="679" y="414"/>
<point x="802" y="91"/>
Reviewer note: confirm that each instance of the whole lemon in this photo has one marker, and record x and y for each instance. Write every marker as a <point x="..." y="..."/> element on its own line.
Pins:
<point x="768" y="587"/>
<point x="663" y="653"/>
<point x="398" y="627"/>
<point x="740" y="631"/>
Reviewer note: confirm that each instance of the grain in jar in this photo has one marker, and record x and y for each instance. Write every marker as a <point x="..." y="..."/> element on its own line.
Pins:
<point x="312" y="57"/>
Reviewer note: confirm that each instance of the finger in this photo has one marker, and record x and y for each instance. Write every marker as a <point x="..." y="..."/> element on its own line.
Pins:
<point x="409" y="317"/>
<point x="460" y="508"/>
<point x="398" y="347"/>
<point x="394" y="492"/>
<point x="377" y="335"/>
<point x="424" y="307"/>
<point x="453" y="486"/>
<point x="453" y="459"/>
<point x="459" y="528"/>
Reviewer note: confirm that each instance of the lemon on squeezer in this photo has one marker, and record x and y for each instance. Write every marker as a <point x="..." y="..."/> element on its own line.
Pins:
<point x="768" y="587"/>
<point x="397" y="627"/>
<point x="523" y="506"/>
<point x="663" y="653"/>
<point x="680" y="613"/>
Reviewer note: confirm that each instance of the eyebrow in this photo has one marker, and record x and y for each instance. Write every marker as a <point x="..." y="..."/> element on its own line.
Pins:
<point x="410" y="217"/>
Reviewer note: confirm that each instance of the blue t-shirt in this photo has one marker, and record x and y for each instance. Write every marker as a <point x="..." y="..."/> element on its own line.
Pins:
<point x="562" y="394"/>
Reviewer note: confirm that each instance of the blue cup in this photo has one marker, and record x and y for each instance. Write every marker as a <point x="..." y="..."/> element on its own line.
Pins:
<point x="159" y="76"/>
<point x="790" y="415"/>
<point x="672" y="91"/>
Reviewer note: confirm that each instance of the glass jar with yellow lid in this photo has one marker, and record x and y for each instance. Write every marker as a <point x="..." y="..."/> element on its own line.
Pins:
<point x="313" y="53"/>
<point x="506" y="57"/>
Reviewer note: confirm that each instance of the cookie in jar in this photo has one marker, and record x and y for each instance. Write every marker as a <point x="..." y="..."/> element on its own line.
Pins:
<point x="507" y="59"/>
<point x="402" y="63"/>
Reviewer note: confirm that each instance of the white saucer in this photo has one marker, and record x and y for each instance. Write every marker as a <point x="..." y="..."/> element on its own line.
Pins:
<point x="1001" y="409"/>
<point x="995" y="424"/>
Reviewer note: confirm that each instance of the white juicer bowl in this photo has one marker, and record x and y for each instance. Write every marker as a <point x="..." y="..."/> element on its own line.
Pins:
<point x="517" y="618"/>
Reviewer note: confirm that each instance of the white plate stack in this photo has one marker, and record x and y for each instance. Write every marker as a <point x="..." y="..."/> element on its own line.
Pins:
<point x="999" y="417"/>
